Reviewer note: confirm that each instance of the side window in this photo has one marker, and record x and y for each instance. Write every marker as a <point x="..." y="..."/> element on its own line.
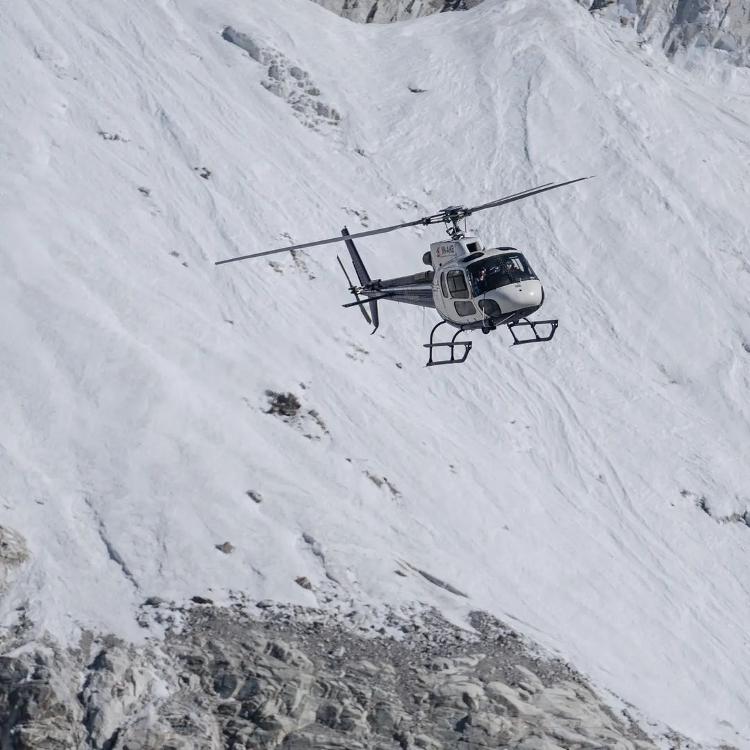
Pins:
<point x="442" y="285"/>
<point x="465" y="308"/>
<point x="457" y="285"/>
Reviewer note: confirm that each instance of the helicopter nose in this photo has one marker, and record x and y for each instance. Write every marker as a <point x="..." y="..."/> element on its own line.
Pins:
<point x="520" y="295"/>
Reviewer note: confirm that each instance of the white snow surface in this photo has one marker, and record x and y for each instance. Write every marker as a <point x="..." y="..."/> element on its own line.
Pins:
<point x="556" y="485"/>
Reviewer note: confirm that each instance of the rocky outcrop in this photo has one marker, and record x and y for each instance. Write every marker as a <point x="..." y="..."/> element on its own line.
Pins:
<point x="37" y="707"/>
<point x="675" y="24"/>
<point x="291" y="678"/>
<point x="386" y="11"/>
<point x="679" y="24"/>
<point x="13" y="554"/>
<point x="287" y="81"/>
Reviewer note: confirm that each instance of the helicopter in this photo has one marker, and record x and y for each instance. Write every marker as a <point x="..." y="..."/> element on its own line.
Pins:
<point x="471" y="287"/>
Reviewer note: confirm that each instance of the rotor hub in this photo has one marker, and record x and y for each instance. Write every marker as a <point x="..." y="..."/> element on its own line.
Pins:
<point x="452" y="215"/>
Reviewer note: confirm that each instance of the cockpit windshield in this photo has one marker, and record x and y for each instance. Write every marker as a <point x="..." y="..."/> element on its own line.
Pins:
<point x="499" y="270"/>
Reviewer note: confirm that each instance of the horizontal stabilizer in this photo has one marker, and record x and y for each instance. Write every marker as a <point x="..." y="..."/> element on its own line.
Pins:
<point x="365" y="301"/>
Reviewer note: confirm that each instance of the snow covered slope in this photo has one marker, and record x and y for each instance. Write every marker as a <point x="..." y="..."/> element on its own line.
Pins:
<point x="561" y="487"/>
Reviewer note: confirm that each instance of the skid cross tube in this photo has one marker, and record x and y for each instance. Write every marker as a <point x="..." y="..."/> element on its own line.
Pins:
<point x="452" y="344"/>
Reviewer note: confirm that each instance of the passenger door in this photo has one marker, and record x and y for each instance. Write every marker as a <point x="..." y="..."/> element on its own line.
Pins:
<point x="455" y="281"/>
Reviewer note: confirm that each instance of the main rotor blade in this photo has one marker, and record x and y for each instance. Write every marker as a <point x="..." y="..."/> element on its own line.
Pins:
<point x="441" y="216"/>
<point x="525" y="194"/>
<point x="324" y="242"/>
<point x="521" y="194"/>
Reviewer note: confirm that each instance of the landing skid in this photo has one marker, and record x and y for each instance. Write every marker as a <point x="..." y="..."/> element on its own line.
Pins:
<point x="452" y="344"/>
<point x="532" y="325"/>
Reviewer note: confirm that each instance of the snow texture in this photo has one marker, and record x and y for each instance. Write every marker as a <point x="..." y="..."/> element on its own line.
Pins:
<point x="591" y="491"/>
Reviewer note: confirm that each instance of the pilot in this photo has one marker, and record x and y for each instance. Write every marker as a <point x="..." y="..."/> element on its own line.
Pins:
<point x="479" y="280"/>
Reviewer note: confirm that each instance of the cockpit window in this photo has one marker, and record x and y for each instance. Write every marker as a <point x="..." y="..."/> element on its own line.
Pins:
<point x="498" y="271"/>
<point x="457" y="285"/>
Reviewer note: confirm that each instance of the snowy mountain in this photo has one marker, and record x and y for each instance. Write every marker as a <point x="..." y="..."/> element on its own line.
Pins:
<point x="592" y="492"/>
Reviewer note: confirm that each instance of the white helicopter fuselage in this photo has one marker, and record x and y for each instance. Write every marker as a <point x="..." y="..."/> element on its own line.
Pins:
<point x="475" y="287"/>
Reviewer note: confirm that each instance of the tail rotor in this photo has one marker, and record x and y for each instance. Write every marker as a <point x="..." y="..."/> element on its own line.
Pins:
<point x="364" y="279"/>
<point x="354" y="290"/>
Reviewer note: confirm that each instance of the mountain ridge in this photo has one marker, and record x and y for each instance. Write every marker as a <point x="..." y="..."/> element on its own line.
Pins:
<point x="676" y="25"/>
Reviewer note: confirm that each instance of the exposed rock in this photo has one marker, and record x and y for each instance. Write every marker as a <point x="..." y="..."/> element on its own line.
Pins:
<point x="675" y="24"/>
<point x="112" y="136"/>
<point x="386" y="11"/>
<point x="285" y="405"/>
<point x="297" y="679"/>
<point x="36" y="713"/>
<point x="435" y="581"/>
<point x="379" y="482"/>
<point x="13" y="554"/>
<point x="244" y="41"/>
<point x="680" y="24"/>
<point x="288" y="407"/>
<point x="287" y="81"/>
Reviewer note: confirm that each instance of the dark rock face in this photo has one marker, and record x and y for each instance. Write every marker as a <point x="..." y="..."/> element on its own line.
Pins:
<point x="34" y="715"/>
<point x="296" y="679"/>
